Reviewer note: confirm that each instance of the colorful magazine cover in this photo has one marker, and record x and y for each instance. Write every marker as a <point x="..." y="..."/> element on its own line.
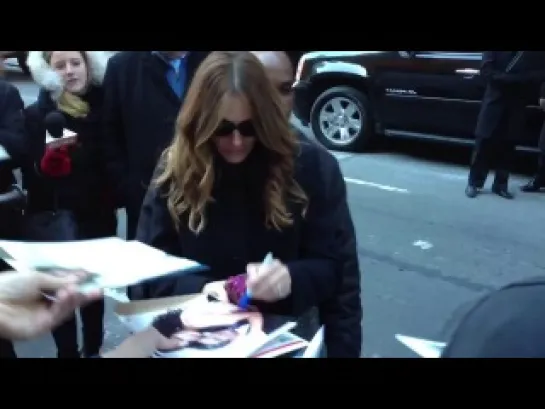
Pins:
<point x="215" y="329"/>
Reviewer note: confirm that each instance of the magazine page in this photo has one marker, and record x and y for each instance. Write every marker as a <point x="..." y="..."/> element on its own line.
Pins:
<point x="283" y="344"/>
<point x="211" y="329"/>
<point x="112" y="262"/>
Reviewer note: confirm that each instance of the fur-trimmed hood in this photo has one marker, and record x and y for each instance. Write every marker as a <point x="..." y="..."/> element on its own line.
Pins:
<point x="48" y="79"/>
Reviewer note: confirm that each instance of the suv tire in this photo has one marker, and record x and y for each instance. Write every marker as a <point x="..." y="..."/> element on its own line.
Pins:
<point x="359" y="122"/>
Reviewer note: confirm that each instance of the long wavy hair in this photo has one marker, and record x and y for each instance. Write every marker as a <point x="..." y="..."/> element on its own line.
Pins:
<point x="187" y="165"/>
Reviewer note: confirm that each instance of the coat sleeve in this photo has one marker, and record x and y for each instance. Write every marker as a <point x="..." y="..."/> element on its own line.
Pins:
<point x="490" y="71"/>
<point x="316" y="275"/>
<point x="156" y="229"/>
<point x="542" y="91"/>
<point x="342" y="315"/>
<point x="113" y="146"/>
<point x="12" y="123"/>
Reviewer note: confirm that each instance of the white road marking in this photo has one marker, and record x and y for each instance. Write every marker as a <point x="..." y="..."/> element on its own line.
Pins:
<point x="423" y="244"/>
<point x="341" y="156"/>
<point x="376" y="185"/>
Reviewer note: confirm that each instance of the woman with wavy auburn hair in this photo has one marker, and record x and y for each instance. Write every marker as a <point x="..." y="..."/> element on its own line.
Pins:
<point x="235" y="185"/>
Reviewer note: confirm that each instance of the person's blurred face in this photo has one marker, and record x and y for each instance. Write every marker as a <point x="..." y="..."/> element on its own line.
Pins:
<point x="283" y="81"/>
<point x="280" y="71"/>
<point x="71" y="66"/>
<point x="235" y="136"/>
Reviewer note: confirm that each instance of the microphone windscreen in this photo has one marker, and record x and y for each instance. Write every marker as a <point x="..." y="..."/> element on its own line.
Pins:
<point x="55" y="124"/>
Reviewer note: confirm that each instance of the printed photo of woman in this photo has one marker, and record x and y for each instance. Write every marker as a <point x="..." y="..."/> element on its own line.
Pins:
<point x="211" y="329"/>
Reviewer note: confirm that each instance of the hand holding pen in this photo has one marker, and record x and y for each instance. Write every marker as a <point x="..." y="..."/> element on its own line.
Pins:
<point x="268" y="281"/>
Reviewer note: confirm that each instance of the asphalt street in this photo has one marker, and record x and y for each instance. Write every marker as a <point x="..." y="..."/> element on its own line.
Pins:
<point x="425" y="249"/>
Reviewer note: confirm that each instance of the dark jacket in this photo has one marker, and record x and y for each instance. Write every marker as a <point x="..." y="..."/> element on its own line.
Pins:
<point x="508" y="91"/>
<point x="140" y="113"/>
<point x="84" y="189"/>
<point x="342" y="315"/>
<point x="236" y="234"/>
<point x="542" y="91"/>
<point x="13" y="140"/>
<point x="12" y="131"/>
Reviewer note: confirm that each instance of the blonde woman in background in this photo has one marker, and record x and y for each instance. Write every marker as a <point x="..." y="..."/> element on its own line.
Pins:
<point x="66" y="176"/>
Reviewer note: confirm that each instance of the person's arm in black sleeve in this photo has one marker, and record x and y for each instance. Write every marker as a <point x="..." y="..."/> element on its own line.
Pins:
<point x="315" y="278"/>
<point x="490" y="71"/>
<point x="156" y="228"/>
<point x="113" y="146"/>
<point x="342" y="315"/>
<point x="12" y="123"/>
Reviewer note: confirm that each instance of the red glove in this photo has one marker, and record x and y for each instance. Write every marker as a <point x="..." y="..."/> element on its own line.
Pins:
<point x="235" y="287"/>
<point x="56" y="162"/>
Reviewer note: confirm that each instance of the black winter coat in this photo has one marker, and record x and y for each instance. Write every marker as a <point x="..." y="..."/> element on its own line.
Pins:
<point x="236" y="235"/>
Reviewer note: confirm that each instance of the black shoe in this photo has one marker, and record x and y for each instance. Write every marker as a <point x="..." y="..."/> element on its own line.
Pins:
<point x="90" y="354"/>
<point x="471" y="191"/>
<point x="502" y="192"/>
<point x="532" y="186"/>
<point x="68" y="354"/>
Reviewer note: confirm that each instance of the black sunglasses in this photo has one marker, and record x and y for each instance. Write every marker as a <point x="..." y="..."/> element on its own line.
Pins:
<point x="285" y="88"/>
<point x="226" y="128"/>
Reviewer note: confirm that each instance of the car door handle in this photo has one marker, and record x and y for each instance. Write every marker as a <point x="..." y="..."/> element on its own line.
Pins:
<point x="467" y="72"/>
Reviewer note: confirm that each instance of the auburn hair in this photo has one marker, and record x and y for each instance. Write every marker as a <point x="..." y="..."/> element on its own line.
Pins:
<point x="187" y="165"/>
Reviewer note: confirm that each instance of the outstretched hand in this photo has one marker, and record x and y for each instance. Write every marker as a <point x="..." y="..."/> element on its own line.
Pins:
<point x="26" y="313"/>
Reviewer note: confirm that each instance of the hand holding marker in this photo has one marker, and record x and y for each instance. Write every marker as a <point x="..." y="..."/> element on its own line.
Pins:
<point x="246" y="298"/>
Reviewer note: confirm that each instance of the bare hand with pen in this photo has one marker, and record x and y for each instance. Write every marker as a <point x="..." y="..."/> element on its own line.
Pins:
<point x="268" y="282"/>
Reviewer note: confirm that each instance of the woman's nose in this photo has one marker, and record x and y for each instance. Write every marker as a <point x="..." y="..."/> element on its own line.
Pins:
<point x="69" y="70"/>
<point x="237" y="138"/>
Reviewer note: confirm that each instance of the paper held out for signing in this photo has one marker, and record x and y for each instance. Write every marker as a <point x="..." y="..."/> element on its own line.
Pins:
<point x="112" y="262"/>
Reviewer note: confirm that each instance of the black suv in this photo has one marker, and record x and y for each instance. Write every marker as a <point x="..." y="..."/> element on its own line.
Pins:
<point x="350" y="97"/>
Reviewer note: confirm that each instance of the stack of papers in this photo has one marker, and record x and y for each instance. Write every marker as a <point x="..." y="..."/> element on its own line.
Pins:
<point x="214" y="329"/>
<point x="112" y="262"/>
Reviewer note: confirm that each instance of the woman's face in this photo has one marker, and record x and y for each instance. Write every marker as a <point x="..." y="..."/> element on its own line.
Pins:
<point x="235" y="136"/>
<point x="71" y="66"/>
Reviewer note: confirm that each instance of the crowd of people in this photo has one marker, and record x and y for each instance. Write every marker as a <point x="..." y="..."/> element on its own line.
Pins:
<point x="197" y="147"/>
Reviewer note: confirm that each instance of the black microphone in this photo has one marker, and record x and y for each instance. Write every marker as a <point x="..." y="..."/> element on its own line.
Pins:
<point x="55" y="124"/>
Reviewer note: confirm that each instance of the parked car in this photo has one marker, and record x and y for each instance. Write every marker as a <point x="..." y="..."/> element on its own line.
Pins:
<point x="19" y="55"/>
<point x="350" y="98"/>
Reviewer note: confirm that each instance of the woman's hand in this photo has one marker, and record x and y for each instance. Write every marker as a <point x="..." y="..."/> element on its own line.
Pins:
<point x="26" y="313"/>
<point x="268" y="283"/>
<point x="143" y="345"/>
<point x="217" y="290"/>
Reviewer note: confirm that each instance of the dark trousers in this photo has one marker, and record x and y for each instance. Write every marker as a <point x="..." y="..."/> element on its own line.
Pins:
<point x="540" y="175"/>
<point x="92" y="323"/>
<point x="92" y="315"/>
<point x="491" y="154"/>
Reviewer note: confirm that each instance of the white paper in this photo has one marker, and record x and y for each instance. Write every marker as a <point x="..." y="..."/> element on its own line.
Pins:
<point x="199" y="316"/>
<point x="423" y="347"/>
<point x="66" y="135"/>
<point x="281" y="345"/>
<point x="116" y="262"/>
<point x="315" y="346"/>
